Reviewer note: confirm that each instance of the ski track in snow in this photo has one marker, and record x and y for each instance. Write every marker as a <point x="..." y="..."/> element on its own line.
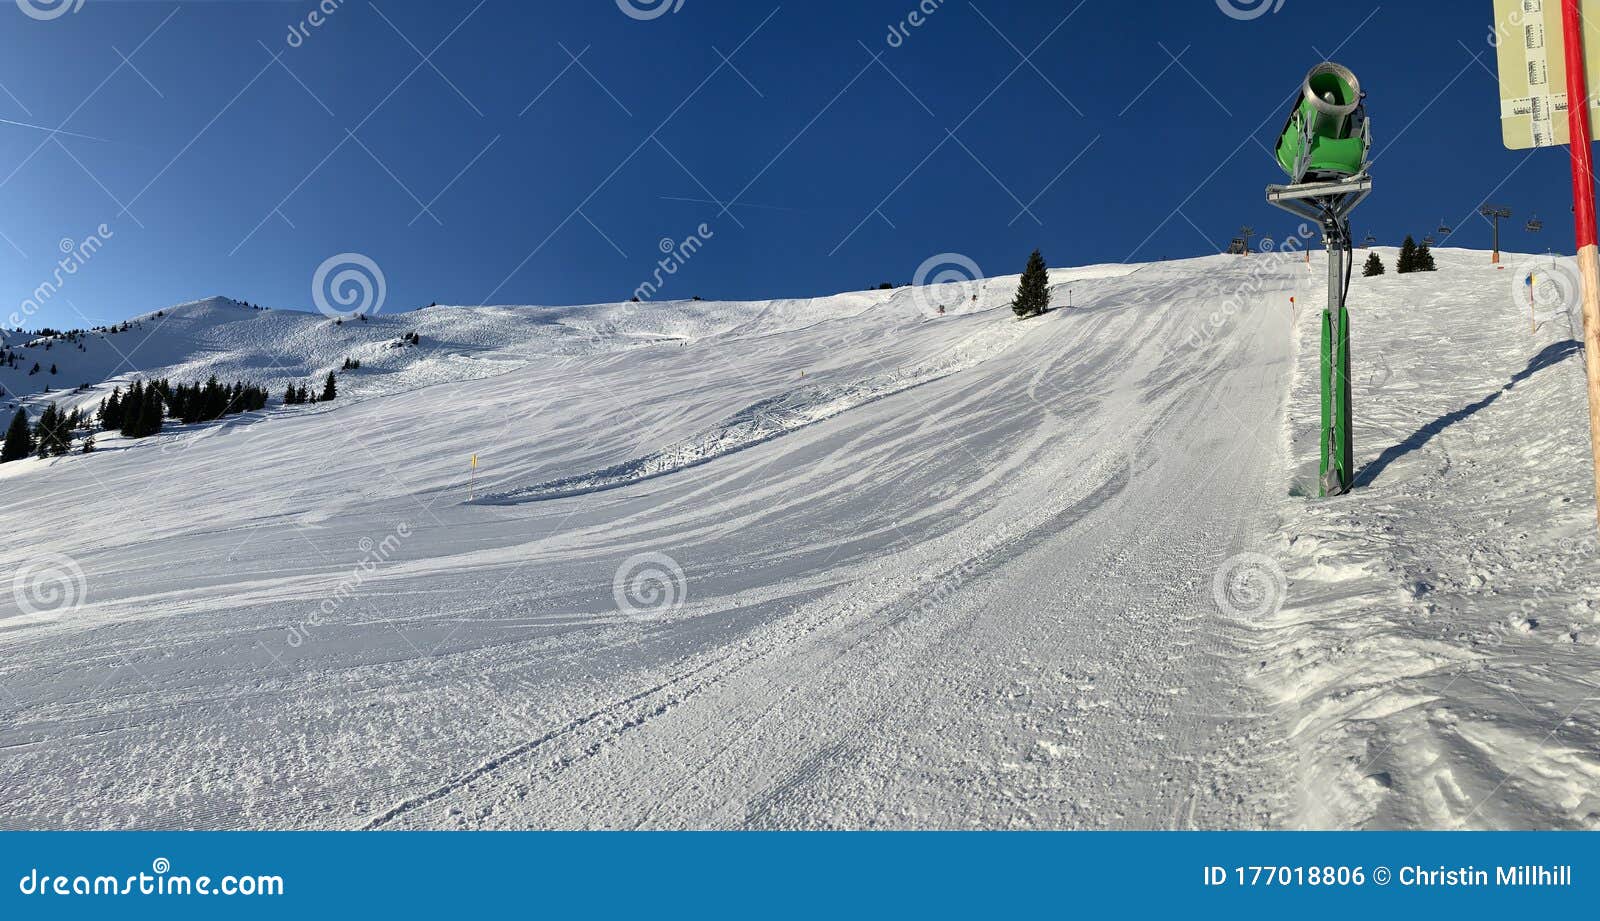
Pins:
<point x="970" y="586"/>
<point x="1439" y="647"/>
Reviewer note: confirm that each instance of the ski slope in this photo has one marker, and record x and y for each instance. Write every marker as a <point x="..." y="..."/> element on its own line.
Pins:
<point x="834" y="562"/>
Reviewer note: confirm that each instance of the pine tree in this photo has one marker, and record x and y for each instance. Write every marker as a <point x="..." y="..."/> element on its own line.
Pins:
<point x="47" y="433"/>
<point x="153" y="413"/>
<point x="88" y="445"/>
<point x="41" y="430"/>
<point x="329" y="390"/>
<point x="128" y="415"/>
<point x="19" y="440"/>
<point x="1373" y="267"/>
<point x="54" y="432"/>
<point x="1424" y="259"/>
<point x="1408" y="257"/>
<point x="1033" y="294"/>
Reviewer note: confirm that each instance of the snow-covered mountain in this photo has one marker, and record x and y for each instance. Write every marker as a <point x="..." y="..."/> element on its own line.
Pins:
<point x="238" y="341"/>
<point x="844" y="561"/>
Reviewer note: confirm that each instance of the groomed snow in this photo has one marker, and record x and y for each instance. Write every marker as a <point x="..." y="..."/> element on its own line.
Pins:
<point x="837" y="562"/>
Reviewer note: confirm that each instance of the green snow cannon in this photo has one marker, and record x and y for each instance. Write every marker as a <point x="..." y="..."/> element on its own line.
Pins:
<point x="1327" y="137"/>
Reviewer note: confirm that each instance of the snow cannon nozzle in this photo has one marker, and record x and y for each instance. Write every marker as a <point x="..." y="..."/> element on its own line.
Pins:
<point x="1326" y="137"/>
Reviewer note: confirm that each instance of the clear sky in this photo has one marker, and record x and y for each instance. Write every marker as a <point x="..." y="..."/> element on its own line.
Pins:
<point x="461" y="148"/>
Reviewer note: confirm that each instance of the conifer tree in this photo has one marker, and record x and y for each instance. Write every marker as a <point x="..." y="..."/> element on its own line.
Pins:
<point x="152" y="413"/>
<point x="329" y="390"/>
<point x="1374" y="266"/>
<point x="1424" y="259"/>
<point x="58" y="439"/>
<point x="1033" y="293"/>
<point x="1408" y="257"/>
<point x="19" y="440"/>
<point x="132" y="405"/>
<point x="50" y="435"/>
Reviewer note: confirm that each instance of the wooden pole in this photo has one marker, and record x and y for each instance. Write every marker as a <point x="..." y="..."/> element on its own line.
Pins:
<point x="1581" y="148"/>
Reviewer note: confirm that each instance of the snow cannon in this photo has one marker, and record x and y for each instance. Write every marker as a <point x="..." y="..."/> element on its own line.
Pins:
<point x="1327" y="137"/>
<point x="1324" y="148"/>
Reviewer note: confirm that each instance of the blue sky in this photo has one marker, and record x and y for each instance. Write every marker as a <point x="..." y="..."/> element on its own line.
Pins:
<point x="224" y="160"/>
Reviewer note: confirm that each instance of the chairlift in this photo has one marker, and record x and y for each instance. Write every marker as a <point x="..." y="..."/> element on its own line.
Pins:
<point x="1429" y="240"/>
<point x="1370" y="240"/>
<point x="1445" y="230"/>
<point x="1534" y="224"/>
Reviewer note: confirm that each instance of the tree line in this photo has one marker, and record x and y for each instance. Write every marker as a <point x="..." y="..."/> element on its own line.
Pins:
<point x="1414" y="257"/>
<point x="141" y="411"/>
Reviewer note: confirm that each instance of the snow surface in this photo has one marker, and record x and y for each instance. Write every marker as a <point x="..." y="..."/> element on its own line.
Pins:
<point x="833" y="562"/>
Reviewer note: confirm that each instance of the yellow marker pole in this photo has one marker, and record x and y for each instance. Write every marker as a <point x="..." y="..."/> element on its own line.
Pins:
<point x="472" y="476"/>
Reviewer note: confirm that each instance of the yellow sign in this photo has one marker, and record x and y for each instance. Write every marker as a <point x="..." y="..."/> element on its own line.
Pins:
<point x="1527" y="35"/>
<point x="474" y="462"/>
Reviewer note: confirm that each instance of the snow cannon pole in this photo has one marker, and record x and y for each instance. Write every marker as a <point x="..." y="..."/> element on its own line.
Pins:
<point x="1325" y="149"/>
<point x="1338" y="449"/>
<point x="1581" y="147"/>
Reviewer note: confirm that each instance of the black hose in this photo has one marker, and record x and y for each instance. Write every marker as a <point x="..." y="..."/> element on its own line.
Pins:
<point x="1349" y="263"/>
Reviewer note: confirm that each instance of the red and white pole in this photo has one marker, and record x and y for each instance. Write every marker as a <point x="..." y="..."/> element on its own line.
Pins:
<point x="1581" y="146"/>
